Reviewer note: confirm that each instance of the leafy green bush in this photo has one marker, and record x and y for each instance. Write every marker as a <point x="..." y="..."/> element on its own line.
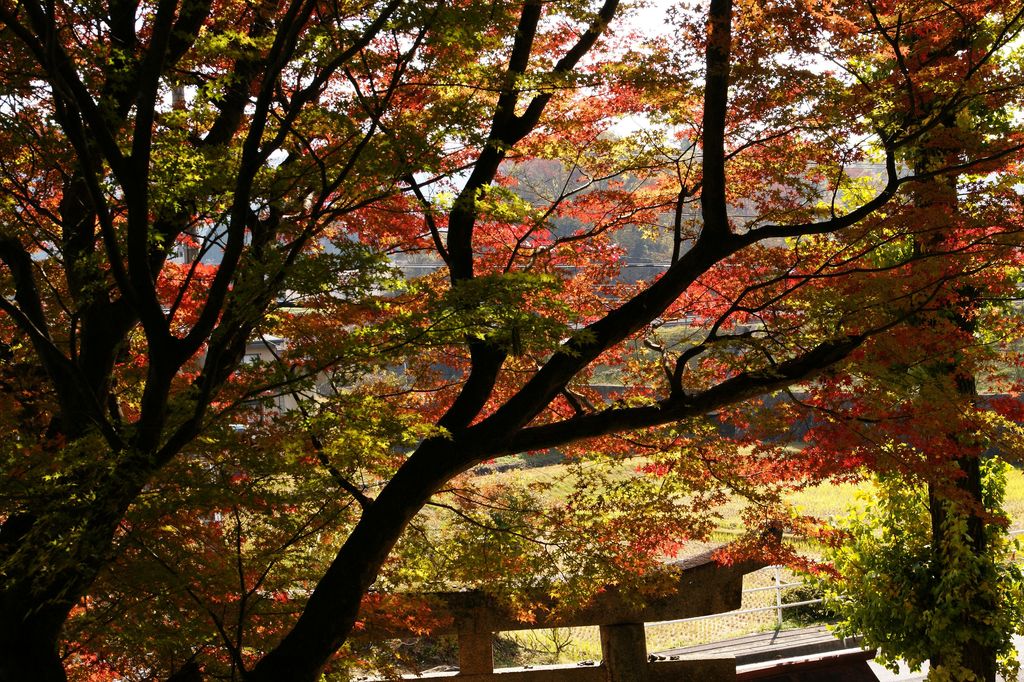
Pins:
<point x="910" y="599"/>
<point x="807" y="614"/>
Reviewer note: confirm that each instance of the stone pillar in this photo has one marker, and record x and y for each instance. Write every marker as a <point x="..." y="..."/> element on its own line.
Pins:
<point x="625" y="652"/>
<point x="476" y="655"/>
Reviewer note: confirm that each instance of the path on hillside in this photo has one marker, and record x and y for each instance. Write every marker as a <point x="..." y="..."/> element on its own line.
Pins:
<point x="768" y="646"/>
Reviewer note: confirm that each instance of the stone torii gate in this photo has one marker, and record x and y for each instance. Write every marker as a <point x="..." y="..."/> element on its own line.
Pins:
<point x="702" y="587"/>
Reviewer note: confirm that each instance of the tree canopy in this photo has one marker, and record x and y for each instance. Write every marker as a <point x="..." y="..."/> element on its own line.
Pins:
<point x="416" y="211"/>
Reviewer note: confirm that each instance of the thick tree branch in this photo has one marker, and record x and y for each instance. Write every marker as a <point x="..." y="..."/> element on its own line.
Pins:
<point x="45" y="45"/>
<point x="529" y="118"/>
<point x="428" y="217"/>
<point x="679" y="407"/>
<point x="716" y="101"/>
<point x="254" y="153"/>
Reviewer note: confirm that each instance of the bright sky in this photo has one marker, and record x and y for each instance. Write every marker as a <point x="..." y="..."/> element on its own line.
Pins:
<point x="651" y="18"/>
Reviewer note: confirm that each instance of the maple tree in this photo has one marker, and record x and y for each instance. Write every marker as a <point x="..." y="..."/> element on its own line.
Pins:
<point x="181" y="172"/>
<point x="961" y="610"/>
<point x="936" y="543"/>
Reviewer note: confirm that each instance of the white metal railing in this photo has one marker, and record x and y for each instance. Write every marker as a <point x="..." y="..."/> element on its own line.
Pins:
<point x="778" y="586"/>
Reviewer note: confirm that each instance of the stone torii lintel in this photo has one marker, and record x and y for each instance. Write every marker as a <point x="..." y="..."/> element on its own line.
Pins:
<point x="700" y="586"/>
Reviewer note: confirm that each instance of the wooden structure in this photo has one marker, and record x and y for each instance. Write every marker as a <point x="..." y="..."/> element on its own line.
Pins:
<point x="845" y="666"/>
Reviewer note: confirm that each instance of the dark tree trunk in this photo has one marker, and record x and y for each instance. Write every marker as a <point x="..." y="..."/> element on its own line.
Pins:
<point x="979" y="659"/>
<point x="49" y="562"/>
<point x="29" y="642"/>
<point x="331" y="612"/>
<point x="975" y="656"/>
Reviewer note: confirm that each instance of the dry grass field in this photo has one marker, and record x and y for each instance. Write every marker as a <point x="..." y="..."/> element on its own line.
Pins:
<point x="576" y="644"/>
